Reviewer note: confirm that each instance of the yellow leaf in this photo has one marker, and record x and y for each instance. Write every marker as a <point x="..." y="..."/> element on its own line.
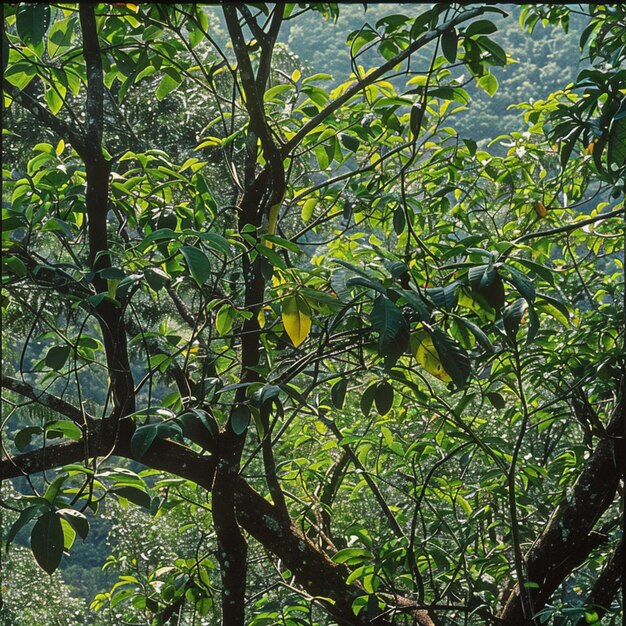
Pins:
<point x="296" y="316"/>
<point x="60" y="147"/>
<point x="272" y="220"/>
<point x="426" y="354"/>
<point x="112" y="287"/>
<point x="209" y="142"/>
<point x="307" y="209"/>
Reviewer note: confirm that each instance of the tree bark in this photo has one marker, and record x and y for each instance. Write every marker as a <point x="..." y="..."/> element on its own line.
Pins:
<point x="569" y="536"/>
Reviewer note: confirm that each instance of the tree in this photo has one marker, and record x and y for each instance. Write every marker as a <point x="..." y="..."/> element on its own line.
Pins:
<point x="393" y="360"/>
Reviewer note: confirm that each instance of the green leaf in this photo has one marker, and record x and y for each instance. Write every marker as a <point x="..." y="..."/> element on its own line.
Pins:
<point x="32" y="21"/>
<point x="338" y="393"/>
<point x="65" y="428"/>
<point x="213" y="240"/>
<point x="553" y="307"/>
<point x="512" y="317"/>
<point x="267" y="393"/>
<point x="616" y="153"/>
<point x="198" y="264"/>
<point x="23" y="437"/>
<point x="449" y="44"/>
<point x="46" y="541"/>
<point x="367" y="399"/>
<point x="496" y="399"/>
<point x="383" y="397"/>
<point x="5" y="52"/>
<point x="481" y="276"/>
<point x="77" y="520"/>
<point x="296" y="316"/>
<point x="16" y="265"/>
<point x="399" y="220"/>
<point x="54" y="488"/>
<point x="224" y="320"/>
<point x="453" y="358"/>
<point x="480" y="27"/>
<point x="57" y="356"/>
<point x="142" y="440"/>
<point x="352" y="556"/>
<point x="498" y="55"/>
<point x="60" y="36"/>
<point x="133" y="494"/>
<point x="388" y="321"/>
<point x="480" y="336"/>
<point x="350" y="142"/>
<point x="443" y="297"/>
<point x="200" y="427"/>
<point x="169" y="82"/>
<point x="522" y="283"/>
<point x="489" y="83"/>
<point x="69" y="534"/>
<point x="168" y="429"/>
<point x="239" y="419"/>
<point x="415" y="301"/>
<point x="20" y="74"/>
<point x="25" y="516"/>
<point x="156" y="278"/>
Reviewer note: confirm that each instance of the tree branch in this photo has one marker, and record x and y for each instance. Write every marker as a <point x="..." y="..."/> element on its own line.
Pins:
<point x="55" y="403"/>
<point x="569" y="537"/>
<point x="314" y="571"/>
<point x="606" y="586"/>
<point x="46" y="118"/>
<point x="569" y="227"/>
<point x="97" y="202"/>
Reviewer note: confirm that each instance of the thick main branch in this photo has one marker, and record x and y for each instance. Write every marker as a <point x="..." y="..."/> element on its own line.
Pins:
<point x="569" y="536"/>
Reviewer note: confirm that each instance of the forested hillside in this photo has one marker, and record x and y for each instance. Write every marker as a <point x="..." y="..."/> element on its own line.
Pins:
<point x="313" y="314"/>
<point x="541" y="62"/>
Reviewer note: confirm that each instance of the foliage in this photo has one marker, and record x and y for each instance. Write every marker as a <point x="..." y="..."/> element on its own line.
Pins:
<point x="349" y="366"/>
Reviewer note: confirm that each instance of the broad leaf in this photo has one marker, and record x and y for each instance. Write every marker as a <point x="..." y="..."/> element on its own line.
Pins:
<point x="169" y="82"/>
<point x="393" y="330"/>
<point x="383" y="398"/>
<point x="296" y="316"/>
<point x="133" y="494"/>
<point x="57" y="356"/>
<point x="440" y="356"/>
<point x="338" y="393"/>
<point x="198" y="264"/>
<point x="307" y="209"/>
<point x="367" y="399"/>
<point x="25" y="516"/>
<point x="46" y="541"/>
<point x="200" y="431"/>
<point x="142" y="439"/>
<point x="453" y="358"/>
<point x="77" y="520"/>
<point x="224" y="320"/>
<point x="513" y="315"/>
<point x="32" y="21"/>
<point x="239" y="419"/>
<point x="449" y="43"/>
<point x="63" y="428"/>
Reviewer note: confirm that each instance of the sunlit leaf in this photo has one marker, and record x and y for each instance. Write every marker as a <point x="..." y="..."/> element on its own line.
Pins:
<point x="296" y="316"/>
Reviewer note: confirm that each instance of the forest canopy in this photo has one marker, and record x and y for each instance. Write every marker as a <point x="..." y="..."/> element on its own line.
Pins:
<point x="313" y="314"/>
